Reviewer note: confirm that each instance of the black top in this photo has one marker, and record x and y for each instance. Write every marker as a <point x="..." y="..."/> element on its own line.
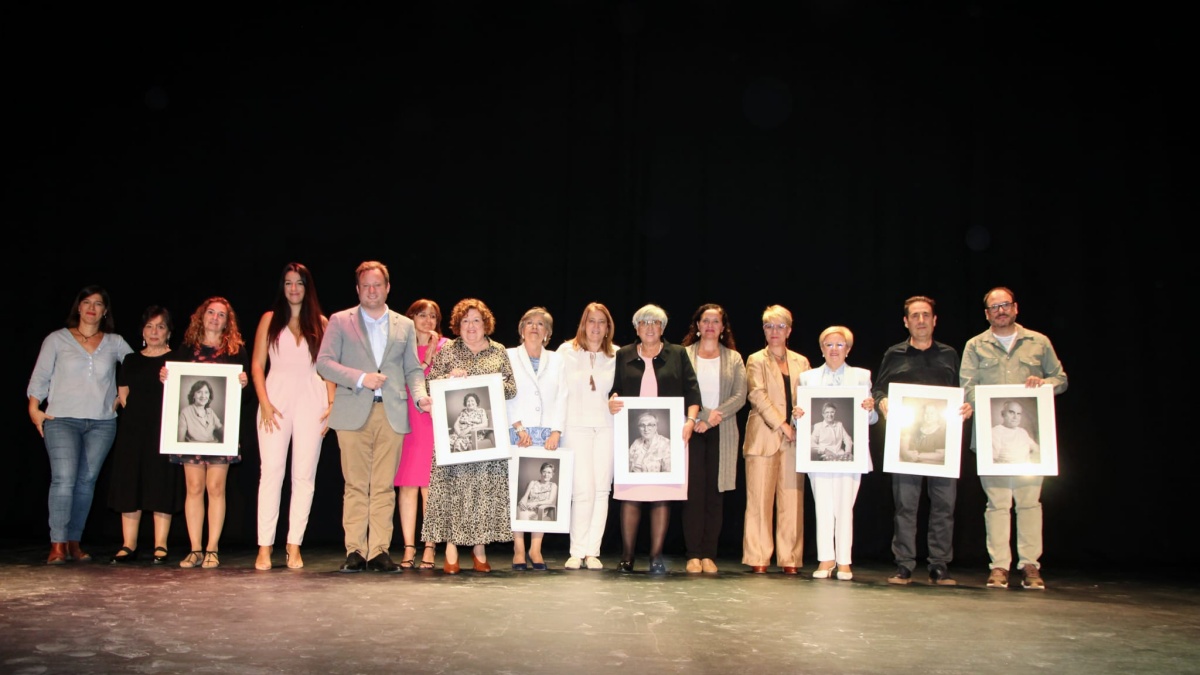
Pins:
<point x="903" y="363"/>
<point x="672" y="369"/>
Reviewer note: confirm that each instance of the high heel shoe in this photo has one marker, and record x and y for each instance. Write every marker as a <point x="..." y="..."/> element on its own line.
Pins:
<point x="657" y="566"/>
<point x="451" y="568"/>
<point x="823" y="573"/>
<point x="479" y="565"/>
<point x="409" y="563"/>
<point x="625" y="566"/>
<point x="291" y="556"/>
<point x="428" y="564"/>
<point x="130" y="556"/>
<point x="845" y="575"/>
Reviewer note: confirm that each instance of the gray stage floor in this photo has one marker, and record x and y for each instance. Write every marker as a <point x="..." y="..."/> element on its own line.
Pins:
<point x="97" y="618"/>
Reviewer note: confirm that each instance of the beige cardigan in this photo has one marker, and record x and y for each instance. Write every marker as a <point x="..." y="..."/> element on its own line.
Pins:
<point x="733" y="397"/>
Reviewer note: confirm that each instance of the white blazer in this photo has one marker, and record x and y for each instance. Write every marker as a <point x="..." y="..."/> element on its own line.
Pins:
<point x="541" y="399"/>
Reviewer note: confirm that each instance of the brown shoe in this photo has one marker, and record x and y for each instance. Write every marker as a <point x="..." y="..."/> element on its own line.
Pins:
<point x="58" y="553"/>
<point x="788" y="569"/>
<point x="998" y="578"/>
<point x="693" y="566"/>
<point x="758" y="569"/>
<point x="1033" y="578"/>
<point x="74" y="552"/>
<point x="708" y="566"/>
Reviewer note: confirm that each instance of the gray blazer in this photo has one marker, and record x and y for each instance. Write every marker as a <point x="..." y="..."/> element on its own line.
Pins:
<point x="733" y="397"/>
<point x="346" y="354"/>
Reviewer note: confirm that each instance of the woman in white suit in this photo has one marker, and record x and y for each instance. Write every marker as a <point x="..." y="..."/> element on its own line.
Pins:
<point x="834" y="493"/>
<point x="538" y="412"/>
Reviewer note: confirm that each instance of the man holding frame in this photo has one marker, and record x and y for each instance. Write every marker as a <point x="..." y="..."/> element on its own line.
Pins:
<point x="370" y="353"/>
<point x="1009" y="353"/>
<point x="921" y="360"/>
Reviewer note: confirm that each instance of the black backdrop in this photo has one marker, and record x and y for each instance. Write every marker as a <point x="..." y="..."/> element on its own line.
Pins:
<point x="834" y="157"/>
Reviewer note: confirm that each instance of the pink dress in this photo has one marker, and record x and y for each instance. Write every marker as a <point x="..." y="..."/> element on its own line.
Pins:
<point x="653" y="493"/>
<point x="416" y="456"/>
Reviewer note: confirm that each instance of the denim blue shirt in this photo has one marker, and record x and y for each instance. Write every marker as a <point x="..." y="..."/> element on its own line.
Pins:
<point x="78" y="384"/>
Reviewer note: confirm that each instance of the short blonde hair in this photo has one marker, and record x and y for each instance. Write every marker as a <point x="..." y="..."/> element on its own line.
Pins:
<point x="779" y="312"/>
<point x="650" y="313"/>
<point x="836" y="329"/>
<point x="546" y="318"/>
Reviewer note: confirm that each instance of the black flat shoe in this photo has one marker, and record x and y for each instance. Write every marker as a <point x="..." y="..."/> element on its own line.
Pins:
<point x="625" y="566"/>
<point x="160" y="556"/>
<point x="383" y="563"/>
<point x="354" y="563"/>
<point x="118" y="559"/>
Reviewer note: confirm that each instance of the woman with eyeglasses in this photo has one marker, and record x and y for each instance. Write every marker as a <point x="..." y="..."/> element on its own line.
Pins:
<point x="468" y="503"/>
<point x="834" y="493"/>
<point x="712" y="457"/>
<point x="537" y="414"/>
<point x="772" y="482"/>
<point x="652" y="367"/>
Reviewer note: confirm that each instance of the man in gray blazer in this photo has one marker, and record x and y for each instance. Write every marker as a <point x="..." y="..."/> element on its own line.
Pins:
<point x="370" y="353"/>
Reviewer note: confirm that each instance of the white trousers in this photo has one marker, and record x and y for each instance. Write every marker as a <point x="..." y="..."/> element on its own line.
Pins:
<point x="833" y="501"/>
<point x="593" y="448"/>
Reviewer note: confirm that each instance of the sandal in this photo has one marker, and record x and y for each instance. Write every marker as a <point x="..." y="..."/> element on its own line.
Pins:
<point x="259" y="563"/>
<point x="210" y="560"/>
<point x="159" y="559"/>
<point x="192" y="559"/>
<point x="293" y="563"/>
<point x="408" y="563"/>
<point x="428" y="564"/>
<point x="123" y="555"/>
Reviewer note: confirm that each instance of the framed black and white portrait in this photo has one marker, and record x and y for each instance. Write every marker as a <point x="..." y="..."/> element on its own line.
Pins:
<point x="470" y="420"/>
<point x="1015" y="430"/>
<point x="648" y="441"/>
<point x="832" y="435"/>
<point x="202" y="407"/>
<point x="539" y="484"/>
<point x="924" y="430"/>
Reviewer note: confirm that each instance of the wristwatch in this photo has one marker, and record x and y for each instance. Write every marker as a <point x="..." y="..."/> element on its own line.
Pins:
<point x="694" y="420"/>
<point x="519" y="427"/>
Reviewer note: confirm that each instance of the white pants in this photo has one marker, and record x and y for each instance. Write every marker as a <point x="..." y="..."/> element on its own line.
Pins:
<point x="305" y="438"/>
<point x="833" y="499"/>
<point x="593" y="448"/>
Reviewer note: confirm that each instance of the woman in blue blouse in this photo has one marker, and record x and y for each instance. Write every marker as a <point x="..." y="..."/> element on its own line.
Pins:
<point x="75" y="375"/>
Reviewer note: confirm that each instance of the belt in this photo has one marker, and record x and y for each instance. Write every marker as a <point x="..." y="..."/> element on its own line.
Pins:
<point x="378" y="399"/>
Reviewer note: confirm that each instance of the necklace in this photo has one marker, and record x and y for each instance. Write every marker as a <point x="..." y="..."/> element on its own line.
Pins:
<point x="645" y="353"/>
<point x="85" y="338"/>
<point x="780" y="359"/>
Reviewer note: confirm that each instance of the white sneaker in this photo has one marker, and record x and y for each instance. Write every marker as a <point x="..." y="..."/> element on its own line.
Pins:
<point x="573" y="563"/>
<point x="593" y="563"/>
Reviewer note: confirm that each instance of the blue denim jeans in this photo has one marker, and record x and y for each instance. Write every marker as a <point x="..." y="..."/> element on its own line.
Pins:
<point x="77" y="448"/>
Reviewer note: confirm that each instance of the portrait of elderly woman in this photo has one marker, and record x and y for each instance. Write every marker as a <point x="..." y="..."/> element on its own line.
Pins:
<point x="831" y="440"/>
<point x="650" y="452"/>
<point x="471" y="430"/>
<point x="198" y="420"/>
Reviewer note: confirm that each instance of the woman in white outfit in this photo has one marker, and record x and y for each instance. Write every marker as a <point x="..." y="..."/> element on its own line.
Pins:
<point x="590" y="366"/>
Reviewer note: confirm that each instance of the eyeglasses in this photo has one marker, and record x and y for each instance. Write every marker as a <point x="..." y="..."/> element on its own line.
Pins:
<point x="999" y="306"/>
<point x="775" y="326"/>
<point x="650" y="322"/>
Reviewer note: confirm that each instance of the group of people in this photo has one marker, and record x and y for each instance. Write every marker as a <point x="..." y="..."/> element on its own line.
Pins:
<point x="364" y="372"/>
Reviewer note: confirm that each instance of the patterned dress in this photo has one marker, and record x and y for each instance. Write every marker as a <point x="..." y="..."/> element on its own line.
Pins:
<point x="469" y="503"/>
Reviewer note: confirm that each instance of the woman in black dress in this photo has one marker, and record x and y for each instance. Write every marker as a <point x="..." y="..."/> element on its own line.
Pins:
<point x="142" y="478"/>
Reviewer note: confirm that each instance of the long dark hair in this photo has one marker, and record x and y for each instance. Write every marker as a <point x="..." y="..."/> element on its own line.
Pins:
<point x="726" y="337"/>
<point x="310" y="310"/>
<point x="107" y="324"/>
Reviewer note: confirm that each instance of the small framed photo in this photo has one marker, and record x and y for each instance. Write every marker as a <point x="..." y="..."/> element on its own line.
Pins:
<point x="924" y="430"/>
<point x="1015" y="431"/>
<point x="539" y="484"/>
<point x="832" y="437"/>
<point x="470" y="420"/>
<point x="648" y="441"/>
<point x="202" y="409"/>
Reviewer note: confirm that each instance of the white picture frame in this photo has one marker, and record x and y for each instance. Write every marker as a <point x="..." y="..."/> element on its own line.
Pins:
<point x="524" y="468"/>
<point x="924" y="430"/>
<point x="629" y="465"/>
<point x="225" y="403"/>
<point x="847" y="404"/>
<point x="459" y="438"/>
<point x="1036" y="419"/>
